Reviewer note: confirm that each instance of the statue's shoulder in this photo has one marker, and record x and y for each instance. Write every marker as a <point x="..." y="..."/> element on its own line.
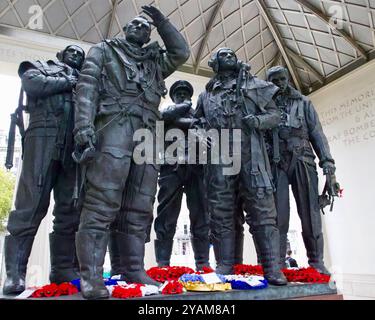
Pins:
<point x="260" y="91"/>
<point x="99" y="47"/>
<point x="49" y="67"/>
<point x="203" y="96"/>
<point x="297" y="95"/>
<point x="111" y="42"/>
<point x="53" y="66"/>
<point x="256" y="83"/>
<point x="27" y="65"/>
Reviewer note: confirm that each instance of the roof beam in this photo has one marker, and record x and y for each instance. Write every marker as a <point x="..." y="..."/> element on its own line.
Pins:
<point x="113" y="17"/>
<point x="276" y="60"/>
<point x="328" y="20"/>
<point x="207" y="34"/>
<point x="340" y="73"/>
<point x="301" y="61"/>
<point x="280" y="42"/>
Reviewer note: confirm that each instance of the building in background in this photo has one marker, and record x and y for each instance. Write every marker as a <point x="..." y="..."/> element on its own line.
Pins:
<point x="182" y="253"/>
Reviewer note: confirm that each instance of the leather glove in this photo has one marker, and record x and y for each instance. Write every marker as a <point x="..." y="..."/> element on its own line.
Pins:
<point x="176" y="111"/>
<point x="251" y="122"/>
<point x="328" y="168"/>
<point x="155" y="14"/>
<point x="200" y="123"/>
<point x="182" y="108"/>
<point x="193" y="123"/>
<point x="84" y="135"/>
<point x="188" y="103"/>
<point x="72" y="80"/>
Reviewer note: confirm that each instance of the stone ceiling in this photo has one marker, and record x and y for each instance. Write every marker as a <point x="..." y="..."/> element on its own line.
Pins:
<point x="318" y="40"/>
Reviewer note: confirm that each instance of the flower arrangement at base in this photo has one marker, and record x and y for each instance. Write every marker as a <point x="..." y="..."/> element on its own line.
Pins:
<point x="127" y="291"/>
<point x="55" y="290"/>
<point x="305" y="275"/>
<point x="107" y="282"/>
<point x="206" y="270"/>
<point x="239" y="282"/>
<point x="162" y="274"/>
<point x="172" y="287"/>
<point x="244" y="269"/>
<point x="133" y="290"/>
<point x="198" y="282"/>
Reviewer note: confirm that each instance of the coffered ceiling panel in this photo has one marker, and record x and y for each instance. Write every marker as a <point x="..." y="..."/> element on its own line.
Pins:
<point x="317" y="40"/>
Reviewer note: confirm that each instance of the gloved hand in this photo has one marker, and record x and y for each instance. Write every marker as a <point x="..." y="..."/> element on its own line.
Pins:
<point x="194" y="123"/>
<point x="251" y="122"/>
<point x="175" y="111"/>
<point x="84" y="135"/>
<point x="182" y="108"/>
<point x="200" y="123"/>
<point x="72" y="80"/>
<point x="328" y="168"/>
<point x="188" y="103"/>
<point x="155" y="14"/>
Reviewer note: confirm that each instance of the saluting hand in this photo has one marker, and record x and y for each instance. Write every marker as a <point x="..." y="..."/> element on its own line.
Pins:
<point x="154" y="13"/>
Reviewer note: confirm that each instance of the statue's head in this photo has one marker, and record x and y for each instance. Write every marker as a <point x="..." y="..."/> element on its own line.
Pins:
<point x="279" y="76"/>
<point x="73" y="56"/>
<point x="181" y="91"/>
<point x="223" y="59"/>
<point x="138" y="30"/>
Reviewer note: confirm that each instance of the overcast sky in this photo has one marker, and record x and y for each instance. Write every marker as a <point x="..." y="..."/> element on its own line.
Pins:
<point x="9" y="91"/>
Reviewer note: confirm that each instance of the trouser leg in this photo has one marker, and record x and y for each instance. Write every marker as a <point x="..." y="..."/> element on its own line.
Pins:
<point x="114" y="253"/>
<point x="31" y="207"/>
<point x="199" y="220"/>
<point x="261" y="216"/>
<point x="105" y="183"/>
<point x="305" y="190"/>
<point x="169" y="207"/>
<point x="239" y="232"/>
<point x="134" y="220"/>
<point x="283" y="212"/>
<point x="99" y="211"/>
<point x="64" y="262"/>
<point x="221" y="196"/>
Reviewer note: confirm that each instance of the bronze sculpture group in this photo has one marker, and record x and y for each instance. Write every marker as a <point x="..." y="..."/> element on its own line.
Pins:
<point x="119" y="89"/>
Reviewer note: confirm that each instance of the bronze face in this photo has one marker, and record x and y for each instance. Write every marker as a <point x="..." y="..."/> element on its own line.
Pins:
<point x="73" y="57"/>
<point x="227" y="60"/>
<point x="180" y="95"/>
<point x="138" y="31"/>
<point x="280" y="79"/>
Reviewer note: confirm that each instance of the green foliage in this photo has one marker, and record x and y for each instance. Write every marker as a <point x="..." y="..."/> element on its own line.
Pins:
<point x="7" y="183"/>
